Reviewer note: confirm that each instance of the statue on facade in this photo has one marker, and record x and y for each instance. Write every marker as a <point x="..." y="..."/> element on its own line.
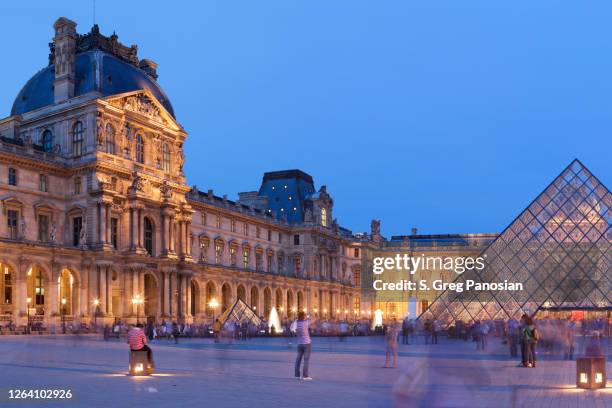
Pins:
<point x="375" y="227"/>
<point x="83" y="235"/>
<point x="23" y="227"/>
<point x="53" y="233"/>
<point x="100" y="131"/>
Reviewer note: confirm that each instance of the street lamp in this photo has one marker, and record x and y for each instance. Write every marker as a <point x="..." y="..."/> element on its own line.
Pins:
<point x="64" y="315"/>
<point x="96" y="303"/>
<point x="29" y="300"/>
<point x="137" y="300"/>
<point x="213" y="304"/>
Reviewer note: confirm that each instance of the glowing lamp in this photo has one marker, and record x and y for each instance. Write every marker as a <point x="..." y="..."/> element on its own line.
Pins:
<point x="591" y="372"/>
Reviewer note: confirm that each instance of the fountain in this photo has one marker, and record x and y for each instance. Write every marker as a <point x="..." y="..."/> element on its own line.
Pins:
<point x="378" y="318"/>
<point x="274" y="321"/>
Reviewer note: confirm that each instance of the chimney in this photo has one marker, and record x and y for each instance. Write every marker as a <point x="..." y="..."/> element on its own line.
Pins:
<point x="149" y="67"/>
<point x="65" y="49"/>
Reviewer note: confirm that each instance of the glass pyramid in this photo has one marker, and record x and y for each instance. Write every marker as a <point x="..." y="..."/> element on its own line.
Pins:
<point x="559" y="247"/>
<point x="240" y="312"/>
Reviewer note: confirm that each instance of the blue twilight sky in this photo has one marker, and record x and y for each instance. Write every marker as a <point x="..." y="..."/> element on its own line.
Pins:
<point x="449" y="116"/>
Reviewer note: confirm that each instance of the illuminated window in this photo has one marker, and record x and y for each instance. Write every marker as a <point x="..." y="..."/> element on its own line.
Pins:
<point x="324" y="217"/>
<point x="218" y="252"/>
<point x="245" y="258"/>
<point x="232" y="252"/>
<point x="39" y="288"/>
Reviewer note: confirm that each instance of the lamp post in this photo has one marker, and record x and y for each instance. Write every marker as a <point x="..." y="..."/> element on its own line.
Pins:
<point x="137" y="300"/>
<point x="213" y="304"/>
<point x="63" y="315"/>
<point x="96" y="303"/>
<point x="29" y="300"/>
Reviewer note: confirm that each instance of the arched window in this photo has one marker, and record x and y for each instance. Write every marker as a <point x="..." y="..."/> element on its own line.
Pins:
<point x="148" y="236"/>
<point x="110" y="139"/>
<point x="47" y="140"/>
<point x="166" y="158"/>
<point x="324" y="217"/>
<point x="139" y="149"/>
<point x="77" y="139"/>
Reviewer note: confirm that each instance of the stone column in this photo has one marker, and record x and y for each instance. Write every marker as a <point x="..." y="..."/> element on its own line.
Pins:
<point x="102" y="216"/>
<point x="127" y="292"/>
<point x="188" y="242"/>
<point x="22" y="295"/>
<point x="164" y="233"/>
<point x="131" y="231"/>
<point x="184" y="305"/>
<point x="140" y="228"/>
<point x="108" y="224"/>
<point x="109" y="291"/>
<point x="173" y="297"/>
<point x="189" y="295"/>
<point x="135" y="289"/>
<point x="102" y="288"/>
<point x="166" y="286"/>
<point x="171" y="233"/>
<point x="180" y="244"/>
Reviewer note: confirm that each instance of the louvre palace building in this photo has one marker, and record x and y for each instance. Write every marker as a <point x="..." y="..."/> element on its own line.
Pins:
<point x="96" y="211"/>
<point x="97" y="220"/>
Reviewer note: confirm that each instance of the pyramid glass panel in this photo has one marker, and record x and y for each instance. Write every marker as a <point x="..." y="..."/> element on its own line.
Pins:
<point x="559" y="248"/>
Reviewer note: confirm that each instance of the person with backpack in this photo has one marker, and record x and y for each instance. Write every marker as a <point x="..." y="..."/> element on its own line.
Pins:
<point x="530" y="339"/>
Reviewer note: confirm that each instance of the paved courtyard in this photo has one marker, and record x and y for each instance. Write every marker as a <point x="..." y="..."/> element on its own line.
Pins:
<point x="258" y="373"/>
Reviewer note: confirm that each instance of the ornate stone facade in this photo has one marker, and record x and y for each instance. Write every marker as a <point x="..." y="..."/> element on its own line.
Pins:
<point x="95" y="209"/>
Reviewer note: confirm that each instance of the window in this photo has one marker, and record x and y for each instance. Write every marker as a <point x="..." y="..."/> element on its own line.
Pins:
<point x="12" y="176"/>
<point x="257" y="232"/>
<point x="165" y="158"/>
<point x="356" y="252"/>
<point x="43" y="228"/>
<point x="8" y="286"/>
<point x="232" y="252"/>
<point x="77" y="185"/>
<point x="110" y="139"/>
<point x="269" y="263"/>
<point x="77" y="139"/>
<point x="39" y="288"/>
<point x="148" y="236"/>
<point x="246" y="229"/>
<point x="245" y="258"/>
<point x="279" y="264"/>
<point x="11" y="220"/>
<point x="269" y="235"/>
<point x="139" y="149"/>
<point x="42" y="183"/>
<point x="324" y="217"/>
<point x="204" y="250"/>
<point x="280" y="238"/>
<point x="296" y="239"/>
<point x="218" y="222"/>
<point x="47" y="141"/>
<point x="233" y="225"/>
<point x="77" y="225"/>
<point x="115" y="233"/>
<point x="258" y="261"/>
<point x="204" y="218"/>
<point x="218" y="252"/>
<point x="297" y="265"/>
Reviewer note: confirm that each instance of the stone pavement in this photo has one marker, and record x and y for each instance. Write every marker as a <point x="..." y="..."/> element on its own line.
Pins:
<point x="259" y="373"/>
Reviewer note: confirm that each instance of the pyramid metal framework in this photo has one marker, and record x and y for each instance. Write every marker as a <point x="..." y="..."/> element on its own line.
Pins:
<point x="240" y="312"/>
<point x="559" y="247"/>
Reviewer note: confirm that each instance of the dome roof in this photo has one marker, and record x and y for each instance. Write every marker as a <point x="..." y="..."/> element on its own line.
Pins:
<point x="96" y="70"/>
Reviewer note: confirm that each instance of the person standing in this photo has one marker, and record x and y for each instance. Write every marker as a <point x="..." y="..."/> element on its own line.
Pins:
<point x="405" y="327"/>
<point x="303" y="346"/>
<point x="530" y="337"/>
<point x="435" y="329"/>
<point x="391" y="336"/>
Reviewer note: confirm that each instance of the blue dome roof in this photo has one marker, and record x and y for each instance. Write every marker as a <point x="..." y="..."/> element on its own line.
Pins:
<point x="96" y="70"/>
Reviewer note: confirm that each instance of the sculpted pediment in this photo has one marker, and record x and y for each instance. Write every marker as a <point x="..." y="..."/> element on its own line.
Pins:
<point x="145" y="104"/>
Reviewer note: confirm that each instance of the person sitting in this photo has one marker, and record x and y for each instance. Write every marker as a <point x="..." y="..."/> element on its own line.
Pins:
<point x="138" y="342"/>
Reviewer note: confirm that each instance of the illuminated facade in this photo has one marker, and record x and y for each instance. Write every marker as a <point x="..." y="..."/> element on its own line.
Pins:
<point x="96" y="211"/>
